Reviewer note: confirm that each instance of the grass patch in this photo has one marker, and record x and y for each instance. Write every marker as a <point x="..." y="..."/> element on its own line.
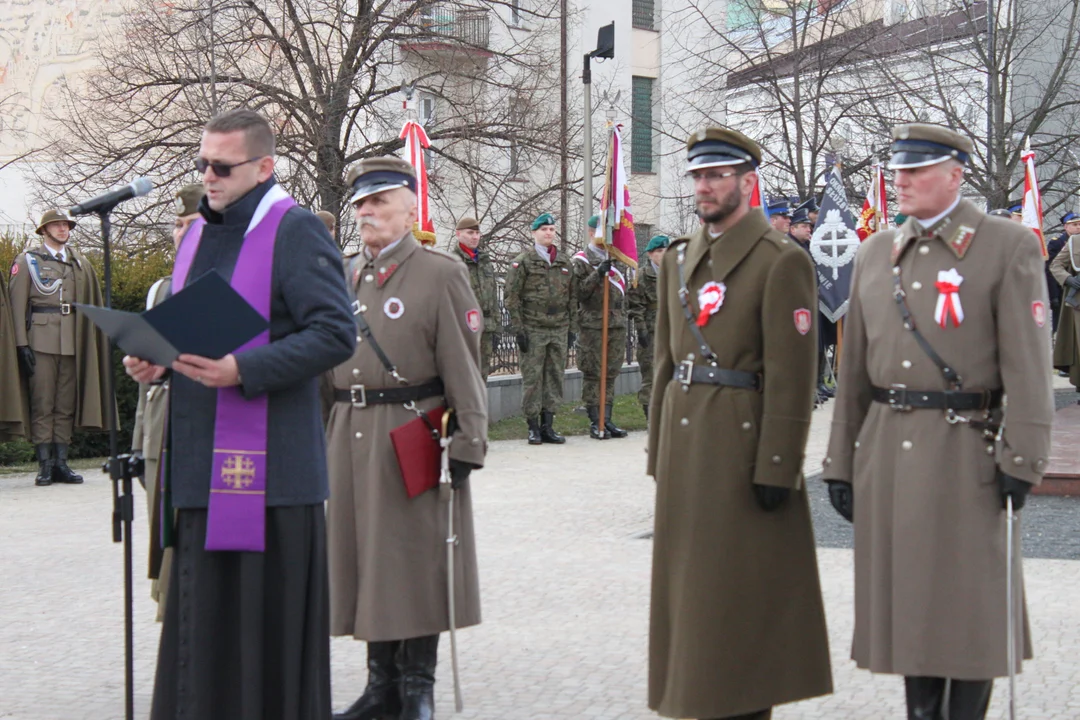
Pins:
<point x="628" y="415"/>
<point x="90" y="464"/>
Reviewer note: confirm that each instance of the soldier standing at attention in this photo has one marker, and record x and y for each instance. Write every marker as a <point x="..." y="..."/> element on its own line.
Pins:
<point x="1070" y="222"/>
<point x="592" y="267"/>
<point x="948" y="315"/>
<point x="642" y="301"/>
<point x="540" y="297"/>
<point x="482" y="281"/>
<point x="62" y="353"/>
<point x="731" y="407"/>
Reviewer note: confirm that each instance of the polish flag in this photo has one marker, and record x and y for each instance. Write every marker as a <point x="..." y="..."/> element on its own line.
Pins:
<point x="1033" y="213"/>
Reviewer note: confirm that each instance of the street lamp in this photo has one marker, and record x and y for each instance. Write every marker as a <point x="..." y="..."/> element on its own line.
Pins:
<point x="605" y="50"/>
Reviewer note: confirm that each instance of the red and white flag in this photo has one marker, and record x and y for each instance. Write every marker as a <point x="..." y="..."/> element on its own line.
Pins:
<point x="875" y="210"/>
<point x="616" y="227"/>
<point x="416" y="140"/>
<point x="1033" y="213"/>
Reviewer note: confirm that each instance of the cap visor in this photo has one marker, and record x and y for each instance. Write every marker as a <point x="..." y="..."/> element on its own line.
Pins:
<point x="911" y="160"/>
<point x="707" y="161"/>
<point x="365" y="191"/>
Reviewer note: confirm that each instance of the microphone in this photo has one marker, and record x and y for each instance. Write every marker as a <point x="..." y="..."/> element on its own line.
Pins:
<point x="108" y="200"/>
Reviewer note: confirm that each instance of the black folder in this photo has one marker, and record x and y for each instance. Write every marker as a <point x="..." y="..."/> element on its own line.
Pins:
<point x="206" y="318"/>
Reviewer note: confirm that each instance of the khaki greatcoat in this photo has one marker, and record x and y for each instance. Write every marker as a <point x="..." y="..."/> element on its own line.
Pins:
<point x="1067" y="344"/>
<point x="929" y="527"/>
<point x="736" y="622"/>
<point x="387" y="553"/>
<point x="14" y="415"/>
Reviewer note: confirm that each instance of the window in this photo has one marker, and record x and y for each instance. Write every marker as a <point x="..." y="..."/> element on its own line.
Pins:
<point x="517" y="17"/>
<point x="641" y="125"/>
<point x="425" y="107"/>
<point x="644" y="14"/>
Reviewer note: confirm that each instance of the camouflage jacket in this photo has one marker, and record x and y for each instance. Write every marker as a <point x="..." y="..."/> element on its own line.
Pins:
<point x="482" y="281"/>
<point x="643" y="300"/>
<point x="540" y="295"/>
<point x="590" y="293"/>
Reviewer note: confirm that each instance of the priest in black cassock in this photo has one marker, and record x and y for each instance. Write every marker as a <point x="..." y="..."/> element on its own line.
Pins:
<point x="246" y="631"/>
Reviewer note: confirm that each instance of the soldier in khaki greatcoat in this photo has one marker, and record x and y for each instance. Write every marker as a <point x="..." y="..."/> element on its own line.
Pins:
<point x="482" y="281"/>
<point x="1065" y="269"/>
<point x="948" y="314"/>
<point x="63" y="355"/>
<point x="737" y="623"/>
<point x="388" y="564"/>
<point x="14" y="421"/>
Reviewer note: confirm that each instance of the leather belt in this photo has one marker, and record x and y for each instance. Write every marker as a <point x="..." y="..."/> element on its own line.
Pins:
<point x="688" y="374"/>
<point x="360" y="396"/>
<point x="903" y="399"/>
<point x="61" y="309"/>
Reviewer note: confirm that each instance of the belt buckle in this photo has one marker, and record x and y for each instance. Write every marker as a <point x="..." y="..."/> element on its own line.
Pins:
<point x="358" y="396"/>
<point x="65" y="308"/>
<point x="898" y="397"/>
<point x="685" y="372"/>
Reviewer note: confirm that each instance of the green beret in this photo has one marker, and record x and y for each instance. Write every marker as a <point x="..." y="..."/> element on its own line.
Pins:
<point x="899" y="219"/>
<point x="545" y="219"/>
<point x="657" y="242"/>
<point x="594" y="221"/>
<point x="720" y="146"/>
<point x="468" y="223"/>
<point x="920" y="144"/>
<point x="186" y="201"/>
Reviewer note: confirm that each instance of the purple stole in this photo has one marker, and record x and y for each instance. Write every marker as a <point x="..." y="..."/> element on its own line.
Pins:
<point x="236" y="516"/>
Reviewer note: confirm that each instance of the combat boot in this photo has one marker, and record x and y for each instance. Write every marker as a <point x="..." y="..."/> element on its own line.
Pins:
<point x="925" y="696"/>
<point x="382" y="696"/>
<point x="61" y="472"/>
<point x="645" y="408"/>
<point x="534" y="431"/>
<point x="45" y="464"/>
<point x="547" y="429"/>
<point x="612" y="429"/>
<point x="594" y="424"/>
<point x="418" y="659"/>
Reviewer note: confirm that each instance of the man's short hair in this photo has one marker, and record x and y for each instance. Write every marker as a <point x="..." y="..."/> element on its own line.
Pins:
<point x="258" y="135"/>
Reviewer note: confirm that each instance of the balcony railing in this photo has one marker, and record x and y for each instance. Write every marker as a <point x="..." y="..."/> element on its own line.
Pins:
<point x="453" y="25"/>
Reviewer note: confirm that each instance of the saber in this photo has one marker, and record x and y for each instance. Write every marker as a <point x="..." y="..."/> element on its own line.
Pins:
<point x="1010" y="561"/>
<point x="447" y="492"/>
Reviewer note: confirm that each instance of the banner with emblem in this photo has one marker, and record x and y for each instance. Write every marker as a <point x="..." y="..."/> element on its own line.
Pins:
<point x="1032" y="205"/>
<point x="616" y="227"/>
<point x="833" y="246"/>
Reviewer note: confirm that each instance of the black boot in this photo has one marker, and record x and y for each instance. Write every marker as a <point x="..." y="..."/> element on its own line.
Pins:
<point x="924" y="697"/>
<point x="645" y="408"/>
<point x="594" y="424"/>
<point x="61" y="472"/>
<point x="382" y="696"/>
<point x="534" y="431"/>
<point x="969" y="699"/>
<point x="45" y="464"/>
<point x="418" y="660"/>
<point x="547" y="429"/>
<point x="613" y="430"/>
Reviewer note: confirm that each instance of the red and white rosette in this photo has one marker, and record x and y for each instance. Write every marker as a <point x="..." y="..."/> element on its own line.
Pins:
<point x="710" y="297"/>
<point x="948" y="302"/>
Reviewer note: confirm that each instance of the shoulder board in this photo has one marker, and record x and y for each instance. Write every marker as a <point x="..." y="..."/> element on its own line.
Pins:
<point x="441" y="253"/>
<point x="678" y="240"/>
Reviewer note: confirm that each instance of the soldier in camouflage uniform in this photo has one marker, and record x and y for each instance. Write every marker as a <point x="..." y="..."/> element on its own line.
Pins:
<point x="482" y="280"/>
<point x="540" y="299"/>
<point x="642" y="301"/>
<point x="591" y="266"/>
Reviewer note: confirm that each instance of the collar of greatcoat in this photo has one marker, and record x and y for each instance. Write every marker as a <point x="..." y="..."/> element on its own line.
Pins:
<point x="956" y="230"/>
<point x="394" y="256"/>
<point x="731" y="247"/>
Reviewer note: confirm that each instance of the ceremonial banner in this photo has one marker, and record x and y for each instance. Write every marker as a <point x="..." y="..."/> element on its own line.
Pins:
<point x="416" y="140"/>
<point x="616" y="227"/>
<point x="833" y="246"/>
<point x="875" y="212"/>
<point x="1033" y="214"/>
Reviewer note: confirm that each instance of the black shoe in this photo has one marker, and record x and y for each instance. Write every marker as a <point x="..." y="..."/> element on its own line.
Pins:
<point x="969" y="699"/>
<point x="547" y="429"/>
<point x="612" y="429"/>
<point x="61" y="472"/>
<point x="418" y="659"/>
<point x="534" y="431"/>
<point x="382" y="696"/>
<point x="594" y="424"/>
<point x="924" y="697"/>
<point x="645" y="408"/>
<point x="45" y="464"/>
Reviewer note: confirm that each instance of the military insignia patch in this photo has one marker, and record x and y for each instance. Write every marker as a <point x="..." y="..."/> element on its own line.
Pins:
<point x="514" y="264"/>
<point x="394" y="308"/>
<point x="961" y="240"/>
<point x="803" y="321"/>
<point x="710" y="298"/>
<point x="385" y="273"/>
<point x="472" y="319"/>
<point x="565" y="271"/>
<point x="1038" y="311"/>
<point x="14" y="269"/>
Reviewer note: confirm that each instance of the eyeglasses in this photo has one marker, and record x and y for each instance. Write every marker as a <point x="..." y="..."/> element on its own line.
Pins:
<point x="221" y="169"/>
<point x="710" y="177"/>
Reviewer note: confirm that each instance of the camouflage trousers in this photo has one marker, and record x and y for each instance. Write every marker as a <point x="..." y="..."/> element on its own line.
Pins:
<point x="589" y="347"/>
<point x="644" y="360"/>
<point x="485" y="353"/>
<point x="542" y="371"/>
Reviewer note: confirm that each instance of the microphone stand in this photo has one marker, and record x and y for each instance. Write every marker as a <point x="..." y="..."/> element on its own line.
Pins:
<point x="121" y="469"/>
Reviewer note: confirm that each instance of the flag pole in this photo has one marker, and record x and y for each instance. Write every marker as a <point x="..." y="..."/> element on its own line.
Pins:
<point x="609" y="193"/>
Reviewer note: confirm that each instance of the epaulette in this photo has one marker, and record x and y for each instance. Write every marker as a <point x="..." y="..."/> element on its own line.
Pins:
<point x="441" y="253"/>
<point x="680" y="239"/>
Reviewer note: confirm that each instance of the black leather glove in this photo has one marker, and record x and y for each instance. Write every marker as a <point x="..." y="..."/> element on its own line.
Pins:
<point x="523" y="342"/>
<point x="459" y="473"/>
<point x="643" y="339"/>
<point x="27" y="360"/>
<point x="604" y="267"/>
<point x="1073" y="281"/>
<point x="842" y="497"/>
<point x="1015" y="487"/>
<point x="571" y="340"/>
<point x="138" y="457"/>
<point x="770" y="498"/>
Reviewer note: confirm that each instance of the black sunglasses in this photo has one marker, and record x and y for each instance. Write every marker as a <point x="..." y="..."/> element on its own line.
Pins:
<point x="221" y="169"/>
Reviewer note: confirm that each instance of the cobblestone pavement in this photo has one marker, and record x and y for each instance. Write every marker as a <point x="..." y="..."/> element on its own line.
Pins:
<point x="565" y="584"/>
